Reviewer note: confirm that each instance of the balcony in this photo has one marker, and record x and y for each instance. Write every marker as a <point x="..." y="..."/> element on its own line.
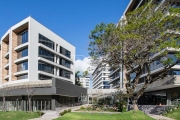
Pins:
<point x="170" y="81"/>
<point x="54" y="64"/>
<point x="53" y="51"/>
<point x="21" y="60"/>
<point x="6" y="66"/>
<point x="6" y="55"/>
<point x="22" y="46"/>
<point x="21" y="73"/>
<point x="6" y="77"/>
<point x="118" y="77"/>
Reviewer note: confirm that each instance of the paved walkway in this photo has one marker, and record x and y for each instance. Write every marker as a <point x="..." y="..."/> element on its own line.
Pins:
<point x="50" y="115"/>
<point x="159" y="117"/>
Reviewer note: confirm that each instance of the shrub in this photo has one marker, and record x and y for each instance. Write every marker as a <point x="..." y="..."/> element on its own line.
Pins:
<point x="65" y="111"/>
<point x="82" y="108"/>
<point x="69" y="110"/>
<point x="62" y="113"/>
<point x="40" y="113"/>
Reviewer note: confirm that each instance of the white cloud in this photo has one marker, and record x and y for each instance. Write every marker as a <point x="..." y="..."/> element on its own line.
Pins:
<point x="82" y="65"/>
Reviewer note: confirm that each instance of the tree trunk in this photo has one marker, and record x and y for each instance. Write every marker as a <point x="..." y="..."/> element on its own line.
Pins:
<point x="135" y="105"/>
<point x="30" y="104"/>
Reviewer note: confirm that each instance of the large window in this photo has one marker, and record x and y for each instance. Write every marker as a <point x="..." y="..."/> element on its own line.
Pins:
<point x="23" y="37"/>
<point x="45" y="41"/>
<point x="64" y="73"/>
<point x="65" y="63"/>
<point x="46" y="54"/>
<point x="23" y="53"/>
<point x="22" y="77"/>
<point x="22" y="66"/>
<point x="174" y="72"/>
<point x="46" y="67"/>
<point x="65" y="52"/>
<point x="44" y="77"/>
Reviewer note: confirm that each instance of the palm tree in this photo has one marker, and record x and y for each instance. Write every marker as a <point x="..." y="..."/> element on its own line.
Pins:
<point x="77" y="79"/>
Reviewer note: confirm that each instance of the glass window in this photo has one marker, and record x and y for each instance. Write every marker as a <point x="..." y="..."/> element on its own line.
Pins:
<point x="65" y="63"/>
<point x="46" y="67"/>
<point x="46" y="54"/>
<point x="174" y="72"/>
<point x="65" y="52"/>
<point x="23" y="53"/>
<point x="23" y="37"/>
<point x="22" y="77"/>
<point x="45" y="41"/>
<point x="64" y="73"/>
<point x="22" y="66"/>
<point x="44" y="77"/>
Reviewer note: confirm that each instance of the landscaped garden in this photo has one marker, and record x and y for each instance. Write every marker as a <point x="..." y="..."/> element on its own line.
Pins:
<point x="105" y="116"/>
<point x="173" y="113"/>
<point x="18" y="115"/>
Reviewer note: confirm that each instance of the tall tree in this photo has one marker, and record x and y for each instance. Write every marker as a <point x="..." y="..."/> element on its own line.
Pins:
<point x="145" y="35"/>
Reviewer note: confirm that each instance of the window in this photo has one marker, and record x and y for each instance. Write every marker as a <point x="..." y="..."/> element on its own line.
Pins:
<point x="22" y="77"/>
<point x="45" y="41"/>
<point x="22" y="66"/>
<point x="23" y="37"/>
<point x="64" y="73"/>
<point x="46" y="67"/>
<point x="46" y="54"/>
<point x="65" y="52"/>
<point x="23" y="53"/>
<point x="65" y="63"/>
<point x="174" y="72"/>
<point x="44" y="77"/>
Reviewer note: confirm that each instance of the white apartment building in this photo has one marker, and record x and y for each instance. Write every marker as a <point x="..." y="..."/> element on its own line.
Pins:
<point x="31" y="52"/>
<point x="85" y="81"/>
<point x="100" y="76"/>
<point x="33" y="56"/>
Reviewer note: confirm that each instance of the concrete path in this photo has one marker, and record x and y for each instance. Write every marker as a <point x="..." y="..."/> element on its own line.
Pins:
<point x="159" y="117"/>
<point x="49" y="115"/>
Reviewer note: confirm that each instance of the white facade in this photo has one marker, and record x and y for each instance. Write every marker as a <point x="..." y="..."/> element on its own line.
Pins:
<point x="15" y="67"/>
<point x="85" y="82"/>
<point x="100" y="77"/>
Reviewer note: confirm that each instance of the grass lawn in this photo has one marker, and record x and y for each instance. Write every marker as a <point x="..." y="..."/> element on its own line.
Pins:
<point x="97" y="116"/>
<point x="174" y="114"/>
<point x="17" y="115"/>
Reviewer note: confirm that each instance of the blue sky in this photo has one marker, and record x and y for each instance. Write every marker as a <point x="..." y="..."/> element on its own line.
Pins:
<point x="71" y="19"/>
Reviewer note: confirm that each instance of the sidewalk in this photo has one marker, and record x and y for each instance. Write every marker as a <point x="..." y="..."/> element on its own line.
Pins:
<point x="50" y="115"/>
<point x="159" y="117"/>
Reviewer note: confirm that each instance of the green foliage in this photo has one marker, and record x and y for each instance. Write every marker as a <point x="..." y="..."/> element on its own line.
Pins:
<point x="69" y="110"/>
<point x="139" y="39"/>
<point x="40" y="113"/>
<point x="77" y="79"/>
<point x="82" y="108"/>
<point x="64" y="112"/>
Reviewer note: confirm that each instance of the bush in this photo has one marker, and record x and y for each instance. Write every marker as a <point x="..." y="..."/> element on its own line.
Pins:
<point x="69" y="110"/>
<point x="82" y="108"/>
<point x="65" y="111"/>
<point x="40" y="113"/>
<point x="62" y="113"/>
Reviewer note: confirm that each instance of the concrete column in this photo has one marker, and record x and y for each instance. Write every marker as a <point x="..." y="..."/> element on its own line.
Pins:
<point x="53" y="107"/>
<point x="41" y="104"/>
<point x="22" y="105"/>
<point x="168" y="98"/>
